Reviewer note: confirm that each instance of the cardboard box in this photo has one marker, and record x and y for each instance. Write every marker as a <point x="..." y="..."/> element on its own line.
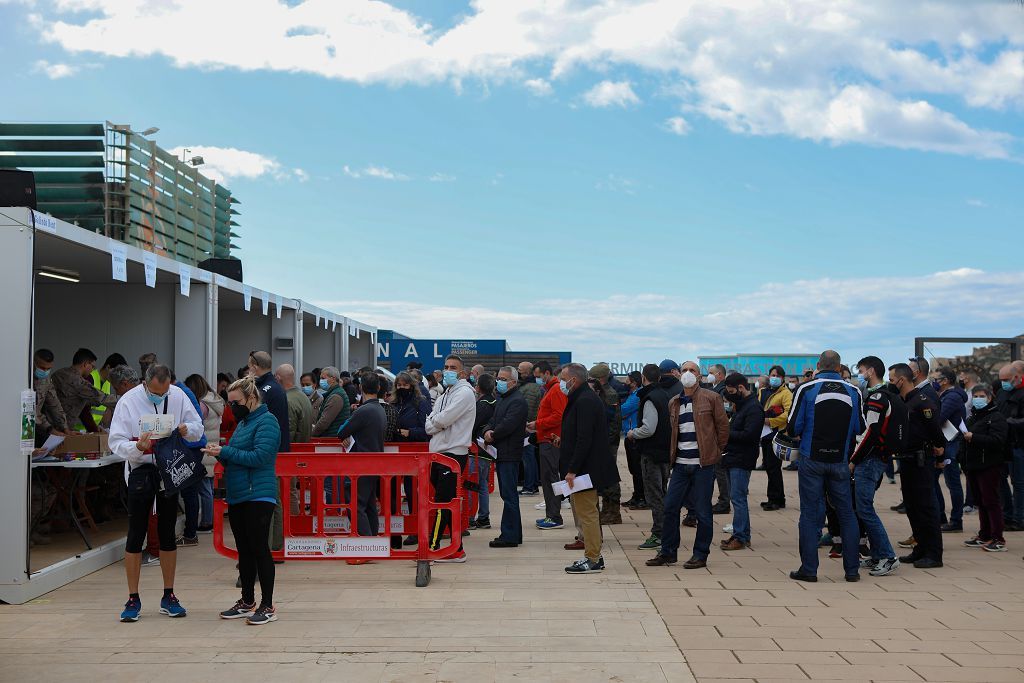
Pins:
<point x="83" y="444"/>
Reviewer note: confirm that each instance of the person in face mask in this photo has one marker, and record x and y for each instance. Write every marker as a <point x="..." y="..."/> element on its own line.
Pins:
<point x="156" y="395"/>
<point x="310" y="387"/>
<point x="533" y="393"/>
<point x="50" y="418"/>
<point x="335" y="409"/>
<point x="412" y="409"/>
<point x="716" y="380"/>
<point x="506" y="431"/>
<point x="1010" y="402"/>
<point x="741" y="455"/>
<point x="252" y="490"/>
<point x="776" y="417"/>
<point x="951" y="408"/>
<point x="985" y="446"/>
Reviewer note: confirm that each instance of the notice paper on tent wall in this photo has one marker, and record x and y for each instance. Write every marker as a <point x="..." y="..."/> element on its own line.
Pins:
<point x="149" y="264"/>
<point x="28" y="421"/>
<point x="266" y="302"/>
<point x="247" y="296"/>
<point x="119" y="262"/>
<point x="277" y="304"/>
<point x="318" y="320"/>
<point x="185" y="275"/>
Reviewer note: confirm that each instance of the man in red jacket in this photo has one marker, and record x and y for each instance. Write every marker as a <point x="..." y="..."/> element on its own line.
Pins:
<point x="548" y="426"/>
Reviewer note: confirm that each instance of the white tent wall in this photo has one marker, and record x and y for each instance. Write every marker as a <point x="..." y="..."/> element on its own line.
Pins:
<point x="108" y="318"/>
<point x="205" y="332"/>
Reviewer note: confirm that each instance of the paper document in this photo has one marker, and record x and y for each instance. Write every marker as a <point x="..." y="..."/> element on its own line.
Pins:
<point x="159" y="426"/>
<point x="963" y="427"/>
<point x="580" y="483"/>
<point x="526" y="441"/>
<point x="349" y="444"/>
<point x="487" y="448"/>
<point x="51" y="442"/>
<point x="766" y="431"/>
<point x="949" y="431"/>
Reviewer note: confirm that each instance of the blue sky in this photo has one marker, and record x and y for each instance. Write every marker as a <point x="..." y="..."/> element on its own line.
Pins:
<point x="628" y="182"/>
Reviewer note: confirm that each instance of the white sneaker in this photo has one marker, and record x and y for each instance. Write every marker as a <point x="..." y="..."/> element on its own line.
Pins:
<point x="727" y="529"/>
<point x="565" y="505"/>
<point x="540" y="506"/>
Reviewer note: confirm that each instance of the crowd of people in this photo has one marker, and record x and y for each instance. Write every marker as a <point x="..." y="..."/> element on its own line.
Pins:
<point x="541" y="428"/>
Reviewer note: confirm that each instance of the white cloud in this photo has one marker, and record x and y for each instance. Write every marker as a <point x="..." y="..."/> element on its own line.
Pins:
<point x="677" y="125"/>
<point x="616" y="183"/>
<point x="863" y="315"/>
<point x="371" y="171"/>
<point x="868" y="72"/>
<point x="611" y="93"/>
<point x="538" y="86"/>
<point x="227" y="163"/>
<point x="55" y="71"/>
<point x="977" y="203"/>
<point x="441" y="178"/>
<point x="301" y="175"/>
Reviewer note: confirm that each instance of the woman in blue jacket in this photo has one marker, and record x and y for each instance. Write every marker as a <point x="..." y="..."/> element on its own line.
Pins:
<point x="251" y="485"/>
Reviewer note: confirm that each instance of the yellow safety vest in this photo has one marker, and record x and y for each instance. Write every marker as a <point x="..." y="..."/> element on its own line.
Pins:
<point x="101" y="385"/>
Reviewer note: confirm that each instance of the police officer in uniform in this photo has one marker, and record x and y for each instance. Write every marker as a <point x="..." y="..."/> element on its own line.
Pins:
<point x="922" y="454"/>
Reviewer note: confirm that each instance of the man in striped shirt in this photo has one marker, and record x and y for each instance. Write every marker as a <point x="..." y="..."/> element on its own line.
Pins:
<point x="700" y="431"/>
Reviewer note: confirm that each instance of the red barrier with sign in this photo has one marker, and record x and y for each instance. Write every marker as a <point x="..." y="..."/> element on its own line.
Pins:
<point x="322" y="523"/>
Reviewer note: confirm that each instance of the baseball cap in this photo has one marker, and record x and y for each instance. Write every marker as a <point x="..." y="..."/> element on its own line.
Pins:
<point x="600" y="371"/>
<point x="668" y="365"/>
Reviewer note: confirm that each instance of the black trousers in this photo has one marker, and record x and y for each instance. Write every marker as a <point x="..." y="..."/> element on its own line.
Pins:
<point x="776" y="492"/>
<point x="635" y="470"/>
<point x="250" y="524"/>
<point x="917" y="482"/>
<point x="139" y="508"/>
<point x="445" y="489"/>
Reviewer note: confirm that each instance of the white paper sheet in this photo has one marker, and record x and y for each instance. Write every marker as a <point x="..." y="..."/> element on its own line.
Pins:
<point x="487" y="448"/>
<point x="149" y="265"/>
<point x="766" y="431"/>
<point x="119" y="262"/>
<point x="580" y="483"/>
<point x="963" y="427"/>
<point x="949" y="431"/>
<point x="51" y="442"/>
<point x="185" y="278"/>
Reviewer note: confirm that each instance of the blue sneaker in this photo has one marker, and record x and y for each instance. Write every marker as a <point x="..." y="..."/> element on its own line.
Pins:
<point x="171" y="607"/>
<point x="131" y="610"/>
<point x="548" y="523"/>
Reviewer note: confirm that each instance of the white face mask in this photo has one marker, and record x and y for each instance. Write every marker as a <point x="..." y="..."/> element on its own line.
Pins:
<point x="688" y="379"/>
<point x="791" y="385"/>
<point x="712" y="379"/>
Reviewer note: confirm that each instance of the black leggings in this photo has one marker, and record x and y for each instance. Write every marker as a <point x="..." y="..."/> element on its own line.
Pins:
<point x="139" y="509"/>
<point x="250" y="524"/>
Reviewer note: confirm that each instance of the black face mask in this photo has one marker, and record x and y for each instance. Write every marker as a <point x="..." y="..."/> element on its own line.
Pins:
<point x="405" y="394"/>
<point x="239" y="411"/>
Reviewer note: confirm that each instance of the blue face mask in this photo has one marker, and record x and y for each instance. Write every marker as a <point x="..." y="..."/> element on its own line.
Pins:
<point x="861" y="380"/>
<point x="154" y="399"/>
<point x="42" y="374"/>
<point x="451" y="378"/>
<point x="324" y="385"/>
<point x="1007" y="386"/>
<point x="308" y="391"/>
<point x="540" y="380"/>
<point x="979" y="402"/>
<point x="936" y="386"/>
<point x="472" y="380"/>
<point x="564" y="386"/>
<point x="775" y="382"/>
<point x="502" y="386"/>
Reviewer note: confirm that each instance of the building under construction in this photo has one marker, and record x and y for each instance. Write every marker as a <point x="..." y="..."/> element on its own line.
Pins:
<point x="114" y="181"/>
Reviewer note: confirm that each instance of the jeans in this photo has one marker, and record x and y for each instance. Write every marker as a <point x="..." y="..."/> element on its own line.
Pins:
<point x="695" y="484"/>
<point x="530" y="472"/>
<point x="951" y="472"/>
<point x="1013" y="503"/>
<point x="206" y="502"/>
<point x="483" y="509"/>
<point x="655" y="480"/>
<point x="739" y="488"/>
<point x="548" y="475"/>
<point x="815" y="480"/>
<point x="190" y="499"/>
<point x="868" y="473"/>
<point x="511" y="520"/>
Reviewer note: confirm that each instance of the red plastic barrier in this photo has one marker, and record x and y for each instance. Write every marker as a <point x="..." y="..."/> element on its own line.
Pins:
<point x="323" y="530"/>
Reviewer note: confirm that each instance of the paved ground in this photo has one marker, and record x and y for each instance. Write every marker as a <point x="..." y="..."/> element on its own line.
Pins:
<point x="515" y="615"/>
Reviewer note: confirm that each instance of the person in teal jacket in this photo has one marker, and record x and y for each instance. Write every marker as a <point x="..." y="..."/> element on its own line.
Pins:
<point x="251" y="485"/>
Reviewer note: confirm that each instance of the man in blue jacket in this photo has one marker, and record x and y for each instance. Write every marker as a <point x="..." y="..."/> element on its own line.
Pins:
<point x="952" y="408"/>
<point x="826" y="417"/>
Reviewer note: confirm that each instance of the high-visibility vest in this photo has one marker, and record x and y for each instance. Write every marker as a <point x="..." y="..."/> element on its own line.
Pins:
<point x="101" y="385"/>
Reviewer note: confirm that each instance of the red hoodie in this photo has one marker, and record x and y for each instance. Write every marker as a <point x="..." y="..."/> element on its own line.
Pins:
<point x="549" y="414"/>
